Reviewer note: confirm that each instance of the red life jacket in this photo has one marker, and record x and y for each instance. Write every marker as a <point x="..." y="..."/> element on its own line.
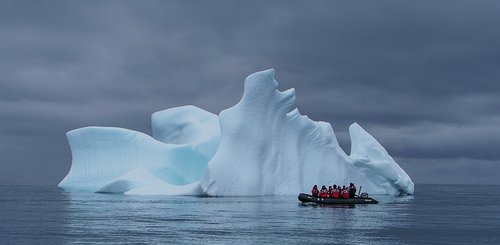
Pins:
<point x="323" y="193"/>
<point x="345" y="194"/>
<point x="335" y="193"/>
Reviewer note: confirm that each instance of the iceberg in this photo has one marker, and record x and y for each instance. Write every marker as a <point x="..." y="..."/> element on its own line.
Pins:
<point x="112" y="160"/>
<point x="260" y="146"/>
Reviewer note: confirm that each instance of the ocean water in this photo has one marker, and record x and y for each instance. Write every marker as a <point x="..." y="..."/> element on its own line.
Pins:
<point x="436" y="214"/>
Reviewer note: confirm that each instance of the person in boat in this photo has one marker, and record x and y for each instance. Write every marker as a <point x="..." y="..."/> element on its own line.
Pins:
<point x="315" y="191"/>
<point x="330" y="191"/>
<point x="323" y="193"/>
<point x="345" y="193"/>
<point x="352" y="190"/>
<point x="335" y="192"/>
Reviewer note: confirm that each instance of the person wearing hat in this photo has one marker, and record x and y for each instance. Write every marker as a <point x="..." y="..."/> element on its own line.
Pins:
<point x="335" y="192"/>
<point x="345" y="192"/>
<point x="352" y="190"/>
<point x="323" y="193"/>
<point x="315" y="191"/>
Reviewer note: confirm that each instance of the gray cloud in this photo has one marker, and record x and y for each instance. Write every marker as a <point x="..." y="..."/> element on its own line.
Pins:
<point x="422" y="77"/>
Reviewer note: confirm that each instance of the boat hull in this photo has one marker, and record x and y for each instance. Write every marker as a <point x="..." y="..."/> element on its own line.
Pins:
<point x="305" y="198"/>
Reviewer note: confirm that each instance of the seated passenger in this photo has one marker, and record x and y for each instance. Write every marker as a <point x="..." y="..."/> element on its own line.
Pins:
<point x="315" y="191"/>
<point x="323" y="193"/>
<point x="335" y="193"/>
<point x="352" y="191"/>
<point x="345" y="193"/>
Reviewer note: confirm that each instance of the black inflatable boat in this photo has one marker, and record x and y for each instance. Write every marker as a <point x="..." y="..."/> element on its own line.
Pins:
<point x="357" y="200"/>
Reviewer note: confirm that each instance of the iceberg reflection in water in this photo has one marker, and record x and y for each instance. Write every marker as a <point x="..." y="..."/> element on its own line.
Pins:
<point x="219" y="220"/>
<point x="41" y="215"/>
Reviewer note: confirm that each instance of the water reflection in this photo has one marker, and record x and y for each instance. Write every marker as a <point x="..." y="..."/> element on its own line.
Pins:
<point x="111" y="218"/>
<point x="361" y="224"/>
<point x="31" y="215"/>
<point x="52" y="216"/>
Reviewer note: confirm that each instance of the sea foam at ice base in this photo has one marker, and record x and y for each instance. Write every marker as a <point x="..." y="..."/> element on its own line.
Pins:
<point x="260" y="146"/>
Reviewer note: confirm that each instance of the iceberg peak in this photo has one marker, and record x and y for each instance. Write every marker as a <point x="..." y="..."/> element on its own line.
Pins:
<point x="371" y="157"/>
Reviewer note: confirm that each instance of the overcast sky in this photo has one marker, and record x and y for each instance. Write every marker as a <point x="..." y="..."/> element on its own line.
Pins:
<point x="423" y="77"/>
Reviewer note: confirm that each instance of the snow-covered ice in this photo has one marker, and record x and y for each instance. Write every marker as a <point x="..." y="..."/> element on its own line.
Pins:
<point x="260" y="146"/>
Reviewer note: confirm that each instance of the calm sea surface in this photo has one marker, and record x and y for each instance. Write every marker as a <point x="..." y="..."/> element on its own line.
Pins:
<point x="437" y="214"/>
